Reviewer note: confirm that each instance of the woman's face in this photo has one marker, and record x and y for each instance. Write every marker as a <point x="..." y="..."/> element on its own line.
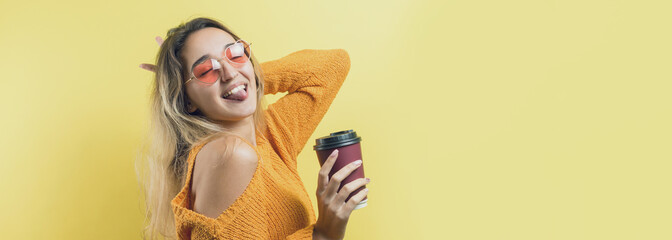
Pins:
<point x="209" y="98"/>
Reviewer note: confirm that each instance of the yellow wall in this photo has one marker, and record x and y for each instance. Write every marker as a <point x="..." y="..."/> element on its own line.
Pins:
<point x="480" y="119"/>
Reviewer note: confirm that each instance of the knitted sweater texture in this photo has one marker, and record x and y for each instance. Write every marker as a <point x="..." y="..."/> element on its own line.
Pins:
<point x="275" y="204"/>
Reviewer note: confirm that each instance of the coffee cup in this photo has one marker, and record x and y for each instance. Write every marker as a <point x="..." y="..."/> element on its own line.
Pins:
<point x="349" y="150"/>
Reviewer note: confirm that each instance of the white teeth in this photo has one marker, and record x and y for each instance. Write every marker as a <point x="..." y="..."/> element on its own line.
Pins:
<point x="234" y="90"/>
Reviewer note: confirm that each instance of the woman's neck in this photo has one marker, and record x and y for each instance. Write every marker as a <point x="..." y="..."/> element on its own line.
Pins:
<point x="244" y="128"/>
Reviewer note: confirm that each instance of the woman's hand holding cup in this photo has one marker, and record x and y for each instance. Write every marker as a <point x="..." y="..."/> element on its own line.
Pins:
<point x="333" y="209"/>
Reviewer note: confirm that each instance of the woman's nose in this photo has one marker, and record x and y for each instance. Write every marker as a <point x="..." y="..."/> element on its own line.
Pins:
<point x="228" y="71"/>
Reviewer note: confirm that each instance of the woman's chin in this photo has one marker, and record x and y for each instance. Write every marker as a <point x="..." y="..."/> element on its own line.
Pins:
<point x="235" y="118"/>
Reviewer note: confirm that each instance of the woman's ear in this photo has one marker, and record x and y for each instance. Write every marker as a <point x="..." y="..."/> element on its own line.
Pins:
<point x="191" y="108"/>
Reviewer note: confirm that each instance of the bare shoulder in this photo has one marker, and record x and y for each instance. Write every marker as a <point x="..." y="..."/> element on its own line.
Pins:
<point x="222" y="170"/>
<point x="222" y="150"/>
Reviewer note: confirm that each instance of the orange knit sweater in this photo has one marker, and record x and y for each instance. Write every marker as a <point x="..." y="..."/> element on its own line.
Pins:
<point x="275" y="204"/>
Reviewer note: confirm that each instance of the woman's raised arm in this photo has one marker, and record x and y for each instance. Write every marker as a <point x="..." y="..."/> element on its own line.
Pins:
<point x="312" y="79"/>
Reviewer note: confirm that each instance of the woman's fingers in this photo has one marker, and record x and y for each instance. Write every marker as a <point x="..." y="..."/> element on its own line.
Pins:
<point x="338" y="177"/>
<point x="323" y="177"/>
<point x="159" y="40"/>
<point x="349" y="188"/>
<point x="354" y="200"/>
<point x="148" y="67"/>
<point x="334" y="212"/>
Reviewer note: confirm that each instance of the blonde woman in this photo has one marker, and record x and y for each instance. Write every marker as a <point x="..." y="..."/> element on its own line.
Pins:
<point x="220" y="167"/>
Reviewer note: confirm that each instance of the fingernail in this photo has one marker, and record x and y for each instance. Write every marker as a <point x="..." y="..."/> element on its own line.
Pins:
<point x="358" y="162"/>
<point x="334" y="153"/>
<point x="368" y="180"/>
<point x="366" y="190"/>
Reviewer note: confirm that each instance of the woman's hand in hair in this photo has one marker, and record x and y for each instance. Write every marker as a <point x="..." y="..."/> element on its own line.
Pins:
<point x="151" y="67"/>
<point x="334" y="211"/>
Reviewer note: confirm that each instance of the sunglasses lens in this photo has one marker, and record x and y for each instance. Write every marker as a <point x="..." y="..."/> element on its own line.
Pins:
<point x="205" y="72"/>
<point x="209" y="70"/>
<point x="238" y="52"/>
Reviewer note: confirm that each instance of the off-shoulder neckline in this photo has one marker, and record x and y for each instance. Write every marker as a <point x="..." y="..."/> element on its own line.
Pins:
<point x="237" y="205"/>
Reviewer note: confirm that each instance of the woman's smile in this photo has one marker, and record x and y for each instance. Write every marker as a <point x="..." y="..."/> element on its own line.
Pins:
<point x="237" y="93"/>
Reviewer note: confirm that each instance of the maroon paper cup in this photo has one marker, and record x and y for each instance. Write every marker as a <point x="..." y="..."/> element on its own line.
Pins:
<point x="349" y="150"/>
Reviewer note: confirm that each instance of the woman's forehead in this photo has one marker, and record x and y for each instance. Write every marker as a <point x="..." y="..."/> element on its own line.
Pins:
<point x="205" y="41"/>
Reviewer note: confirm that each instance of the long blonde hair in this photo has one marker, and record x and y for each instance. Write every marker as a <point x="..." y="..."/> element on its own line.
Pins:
<point x="162" y="160"/>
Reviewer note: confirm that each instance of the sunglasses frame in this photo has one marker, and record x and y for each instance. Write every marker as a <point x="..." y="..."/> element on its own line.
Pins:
<point x="249" y="46"/>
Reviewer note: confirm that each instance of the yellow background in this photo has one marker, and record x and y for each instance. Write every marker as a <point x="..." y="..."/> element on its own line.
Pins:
<point x="480" y="119"/>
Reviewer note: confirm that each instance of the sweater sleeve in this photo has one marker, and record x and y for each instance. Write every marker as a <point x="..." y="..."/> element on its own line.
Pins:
<point x="303" y="234"/>
<point x="311" y="79"/>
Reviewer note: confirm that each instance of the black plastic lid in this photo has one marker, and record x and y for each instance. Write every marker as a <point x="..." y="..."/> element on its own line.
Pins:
<point x="337" y="139"/>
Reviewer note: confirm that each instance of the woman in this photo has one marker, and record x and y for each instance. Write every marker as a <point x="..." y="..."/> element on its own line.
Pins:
<point x="220" y="167"/>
